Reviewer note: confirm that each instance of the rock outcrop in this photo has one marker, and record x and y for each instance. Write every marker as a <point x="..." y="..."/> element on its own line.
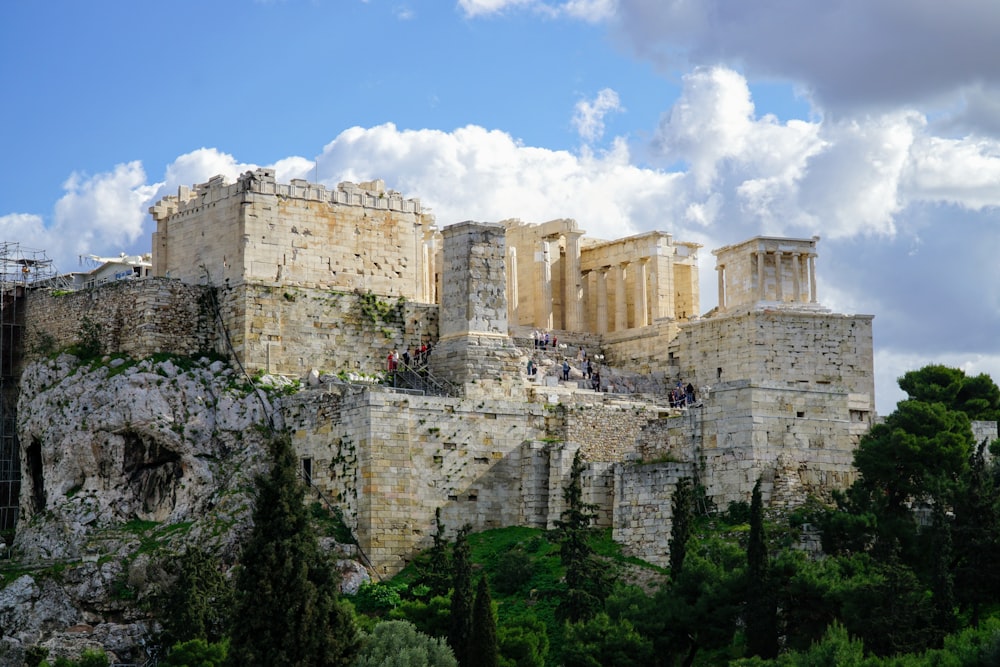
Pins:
<point x="123" y="464"/>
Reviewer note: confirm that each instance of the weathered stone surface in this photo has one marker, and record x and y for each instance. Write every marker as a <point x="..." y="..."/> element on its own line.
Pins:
<point x="152" y="442"/>
<point x="107" y="447"/>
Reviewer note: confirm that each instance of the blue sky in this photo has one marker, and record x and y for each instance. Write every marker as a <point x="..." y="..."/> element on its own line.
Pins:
<point x="874" y="124"/>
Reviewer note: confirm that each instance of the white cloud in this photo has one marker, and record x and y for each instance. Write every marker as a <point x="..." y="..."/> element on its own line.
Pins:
<point x="965" y="171"/>
<point x="849" y="54"/>
<point x="891" y="365"/>
<point x="473" y="8"/>
<point x="477" y="174"/>
<point x="591" y="11"/>
<point x="588" y="117"/>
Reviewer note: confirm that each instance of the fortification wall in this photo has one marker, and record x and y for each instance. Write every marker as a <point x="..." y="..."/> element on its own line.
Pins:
<point x="602" y="427"/>
<point x="644" y="350"/>
<point x="134" y="317"/>
<point x="290" y="330"/>
<point x="356" y="237"/>
<point x="642" y="508"/>
<point x="393" y="459"/>
<point x="799" y="348"/>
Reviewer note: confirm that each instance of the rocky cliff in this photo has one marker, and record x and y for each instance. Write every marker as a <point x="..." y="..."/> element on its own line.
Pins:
<point x="123" y="464"/>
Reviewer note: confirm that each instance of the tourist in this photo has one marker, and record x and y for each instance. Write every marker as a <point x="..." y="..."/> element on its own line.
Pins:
<point x="565" y="370"/>
<point x="589" y="370"/>
<point x="531" y="368"/>
<point x="595" y="381"/>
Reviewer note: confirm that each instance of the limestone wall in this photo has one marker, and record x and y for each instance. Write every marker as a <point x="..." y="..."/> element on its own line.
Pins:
<point x="290" y="330"/>
<point x="605" y="429"/>
<point x="642" y="508"/>
<point x="474" y="350"/>
<point x="134" y="317"/>
<point x="356" y="237"/>
<point x="644" y="350"/>
<point x="395" y="458"/>
<point x="798" y="348"/>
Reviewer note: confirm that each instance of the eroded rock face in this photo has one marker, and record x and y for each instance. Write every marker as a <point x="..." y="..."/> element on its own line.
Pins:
<point x="117" y="456"/>
<point x="150" y="442"/>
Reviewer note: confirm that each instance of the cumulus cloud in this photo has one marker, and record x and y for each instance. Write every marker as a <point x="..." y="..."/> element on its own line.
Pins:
<point x="591" y="11"/>
<point x="848" y="54"/>
<point x="588" y="117"/>
<point x="478" y="174"/>
<point x="95" y="212"/>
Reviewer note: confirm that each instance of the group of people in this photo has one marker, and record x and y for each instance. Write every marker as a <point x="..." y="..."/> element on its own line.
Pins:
<point x="542" y="340"/>
<point x="586" y="368"/>
<point x="418" y="357"/>
<point x="681" y="395"/>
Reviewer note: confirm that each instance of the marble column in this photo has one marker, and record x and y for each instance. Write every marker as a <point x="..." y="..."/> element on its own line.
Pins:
<point x="543" y="303"/>
<point x="572" y="288"/>
<point x="721" y="271"/>
<point x="796" y="278"/>
<point x="602" y="300"/>
<point x="812" y="278"/>
<point x="512" y="297"/>
<point x="586" y="294"/>
<point x="761" y="293"/>
<point x="640" y="314"/>
<point x="779" y="292"/>
<point x="621" y="315"/>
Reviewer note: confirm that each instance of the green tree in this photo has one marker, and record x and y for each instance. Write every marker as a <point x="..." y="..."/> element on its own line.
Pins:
<point x="399" y="644"/>
<point x="977" y="539"/>
<point x="287" y="612"/>
<point x="523" y="642"/>
<point x="196" y="653"/>
<point x="89" y="658"/>
<point x="483" y="649"/>
<point x="916" y="455"/>
<point x="808" y="596"/>
<point x="434" y="567"/>
<point x="197" y="605"/>
<point x="915" y="459"/>
<point x="978" y="397"/>
<point x="460" y="625"/>
<point x="888" y="608"/>
<point x="698" y="610"/>
<point x="600" y="642"/>
<point x="761" y="606"/>
<point x="682" y="523"/>
<point x="587" y="581"/>
<point x="835" y="649"/>
<point x="432" y="617"/>
<point x="942" y="579"/>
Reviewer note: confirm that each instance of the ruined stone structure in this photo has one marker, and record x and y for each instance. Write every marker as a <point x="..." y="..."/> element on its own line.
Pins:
<point x="298" y="278"/>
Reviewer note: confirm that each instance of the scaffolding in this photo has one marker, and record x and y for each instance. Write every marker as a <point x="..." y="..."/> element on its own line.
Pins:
<point x="20" y="270"/>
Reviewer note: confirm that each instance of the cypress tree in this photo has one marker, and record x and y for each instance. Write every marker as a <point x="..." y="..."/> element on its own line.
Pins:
<point x="287" y="612"/>
<point x="435" y="568"/>
<point x="761" y="608"/>
<point x="460" y="624"/>
<point x="682" y="506"/>
<point x="484" y="650"/>
<point x="198" y="603"/>
<point x="587" y="581"/>
<point x="942" y="579"/>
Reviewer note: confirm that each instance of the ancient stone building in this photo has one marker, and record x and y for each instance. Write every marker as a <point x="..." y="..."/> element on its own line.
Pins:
<point x="298" y="278"/>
